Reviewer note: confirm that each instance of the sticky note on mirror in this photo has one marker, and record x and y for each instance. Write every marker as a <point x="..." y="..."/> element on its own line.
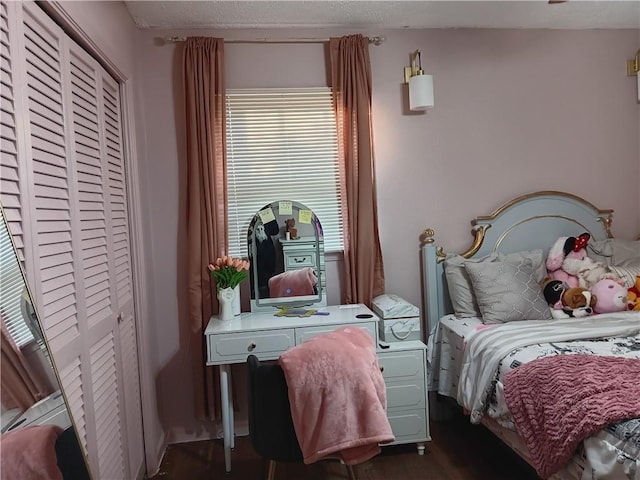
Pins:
<point x="304" y="216"/>
<point x="267" y="215"/>
<point x="284" y="208"/>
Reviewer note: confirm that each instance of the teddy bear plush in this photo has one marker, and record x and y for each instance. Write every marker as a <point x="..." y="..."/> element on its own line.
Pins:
<point x="289" y="225"/>
<point x="611" y="296"/>
<point x="568" y="262"/>
<point x="567" y="302"/>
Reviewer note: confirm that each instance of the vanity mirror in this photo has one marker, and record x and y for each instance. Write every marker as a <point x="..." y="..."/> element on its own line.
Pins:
<point x="286" y="251"/>
<point x="38" y="436"/>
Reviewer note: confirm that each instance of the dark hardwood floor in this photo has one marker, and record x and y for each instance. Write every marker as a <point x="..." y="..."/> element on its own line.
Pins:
<point x="458" y="451"/>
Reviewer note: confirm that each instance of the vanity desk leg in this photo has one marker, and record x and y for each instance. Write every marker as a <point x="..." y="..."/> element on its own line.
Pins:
<point x="227" y="414"/>
<point x="421" y="448"/>
<point x="232" y="429"/>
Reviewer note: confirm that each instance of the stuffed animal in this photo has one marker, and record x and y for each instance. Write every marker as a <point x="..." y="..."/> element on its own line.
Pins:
<point x="567" y="302"/>
<point x="591" y="272"/>
<point x="633" y="295"/>
<point x="289" y="225"/>
<point x="612" y="297"/>
<point x="568" y="261"/>
<point x="566" y="248"/>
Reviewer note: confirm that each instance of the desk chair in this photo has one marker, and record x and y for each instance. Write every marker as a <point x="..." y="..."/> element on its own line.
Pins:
<point x="270" y="425"/>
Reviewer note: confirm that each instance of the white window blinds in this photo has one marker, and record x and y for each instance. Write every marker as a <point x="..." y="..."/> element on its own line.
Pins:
<point x="11" y="291"/>
<point x="281" y="145"/>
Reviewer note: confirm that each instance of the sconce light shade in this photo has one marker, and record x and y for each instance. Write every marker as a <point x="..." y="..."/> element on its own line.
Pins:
<point x="421" y="92"/>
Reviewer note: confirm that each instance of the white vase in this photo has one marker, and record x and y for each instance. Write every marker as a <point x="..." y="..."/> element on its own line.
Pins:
<point x="236" y="300"/>
<point x="225" y="303"/>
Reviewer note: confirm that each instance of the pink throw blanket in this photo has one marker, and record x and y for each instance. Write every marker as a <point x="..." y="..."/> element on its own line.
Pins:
<point x="29" y="453"/>
<point x="293" y="283"/>
<point x="337" y="395"/>
<point x="558" y="401"/>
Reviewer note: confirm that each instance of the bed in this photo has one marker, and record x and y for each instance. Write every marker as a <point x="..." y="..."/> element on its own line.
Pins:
<point x="501" y="373"/>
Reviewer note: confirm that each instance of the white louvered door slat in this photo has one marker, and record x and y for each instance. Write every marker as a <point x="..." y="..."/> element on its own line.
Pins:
<point x="63" y="181"/>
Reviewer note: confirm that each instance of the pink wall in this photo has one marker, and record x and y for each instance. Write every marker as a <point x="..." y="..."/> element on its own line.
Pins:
<point x="516" y="111"/>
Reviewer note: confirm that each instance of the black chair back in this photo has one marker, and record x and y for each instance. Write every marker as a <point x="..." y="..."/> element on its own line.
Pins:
<point x="270" y="424"/>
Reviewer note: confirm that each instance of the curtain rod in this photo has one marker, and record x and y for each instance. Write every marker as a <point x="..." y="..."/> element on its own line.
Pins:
<point x="377" y="40"/>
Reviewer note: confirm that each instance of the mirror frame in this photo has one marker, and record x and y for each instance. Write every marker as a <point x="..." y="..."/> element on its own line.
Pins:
<point x="270" y="304"/>
<point x="40" y="338"/>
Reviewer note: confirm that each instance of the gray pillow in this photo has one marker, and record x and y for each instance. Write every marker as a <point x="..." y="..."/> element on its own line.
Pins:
<point x="626" y="253"/>
<point x="508" y="290"/>
<point x="618" y="252"/>
<point x="461" y="291"/>
<point x="600" y="251"/>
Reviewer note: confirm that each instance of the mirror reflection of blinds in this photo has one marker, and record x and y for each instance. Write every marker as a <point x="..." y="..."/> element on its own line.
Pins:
<point x="11" y="289"/>
<point x="282" y="144"/>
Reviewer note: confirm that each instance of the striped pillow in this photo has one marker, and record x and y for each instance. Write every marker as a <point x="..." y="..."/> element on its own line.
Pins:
<point x="627" y="273"/>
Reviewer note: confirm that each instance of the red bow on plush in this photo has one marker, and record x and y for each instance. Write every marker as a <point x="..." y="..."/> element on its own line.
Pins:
<point x="581" y="242"/>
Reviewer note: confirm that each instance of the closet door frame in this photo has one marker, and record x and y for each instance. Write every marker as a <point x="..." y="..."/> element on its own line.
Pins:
<point x="154" y="437"/>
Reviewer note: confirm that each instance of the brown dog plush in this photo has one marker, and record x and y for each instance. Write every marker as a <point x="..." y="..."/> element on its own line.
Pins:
<point x="568" y="302"/>
<point x="580" y="301"/>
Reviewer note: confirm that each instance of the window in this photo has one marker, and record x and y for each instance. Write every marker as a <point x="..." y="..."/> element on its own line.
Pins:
<point x="282" y="145"/>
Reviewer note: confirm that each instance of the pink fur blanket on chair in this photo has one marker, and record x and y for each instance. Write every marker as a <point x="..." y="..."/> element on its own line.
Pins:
<point x="293" y="283"/>
<point x="338" y="397"/>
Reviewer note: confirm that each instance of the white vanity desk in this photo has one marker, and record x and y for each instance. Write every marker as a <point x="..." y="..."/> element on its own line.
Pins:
<point x="267" y="336"/>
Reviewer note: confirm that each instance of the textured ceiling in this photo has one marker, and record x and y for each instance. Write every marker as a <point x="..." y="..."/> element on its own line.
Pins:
<point x="573" y="14"/>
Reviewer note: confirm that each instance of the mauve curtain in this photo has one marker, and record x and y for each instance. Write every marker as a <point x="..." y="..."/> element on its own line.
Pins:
<point x="351" y="84"/>
<point x="203" y="64"/>
<point x="20" y="387"/>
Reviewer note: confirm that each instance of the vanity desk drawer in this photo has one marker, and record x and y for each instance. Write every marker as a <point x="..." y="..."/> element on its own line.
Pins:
<point x="305" y="333"/>
<point x="235" y="347"/>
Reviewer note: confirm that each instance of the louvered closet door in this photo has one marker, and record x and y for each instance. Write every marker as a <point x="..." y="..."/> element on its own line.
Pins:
<point x="11" y="171"/>
<point x="73" y="171"/>
<point x="113" y="160"/>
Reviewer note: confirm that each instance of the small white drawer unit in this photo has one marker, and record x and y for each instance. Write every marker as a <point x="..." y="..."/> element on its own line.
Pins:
<point x="301" y="253"/>
<point x="403" y="367"/>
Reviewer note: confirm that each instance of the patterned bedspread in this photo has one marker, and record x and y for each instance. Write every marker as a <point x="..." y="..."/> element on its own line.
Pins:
<point x="612" y="453"/>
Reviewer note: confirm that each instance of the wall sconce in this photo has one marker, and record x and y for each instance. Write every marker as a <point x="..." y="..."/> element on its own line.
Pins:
<point x="420" y="85"/>
<point x="633" y="69"/>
